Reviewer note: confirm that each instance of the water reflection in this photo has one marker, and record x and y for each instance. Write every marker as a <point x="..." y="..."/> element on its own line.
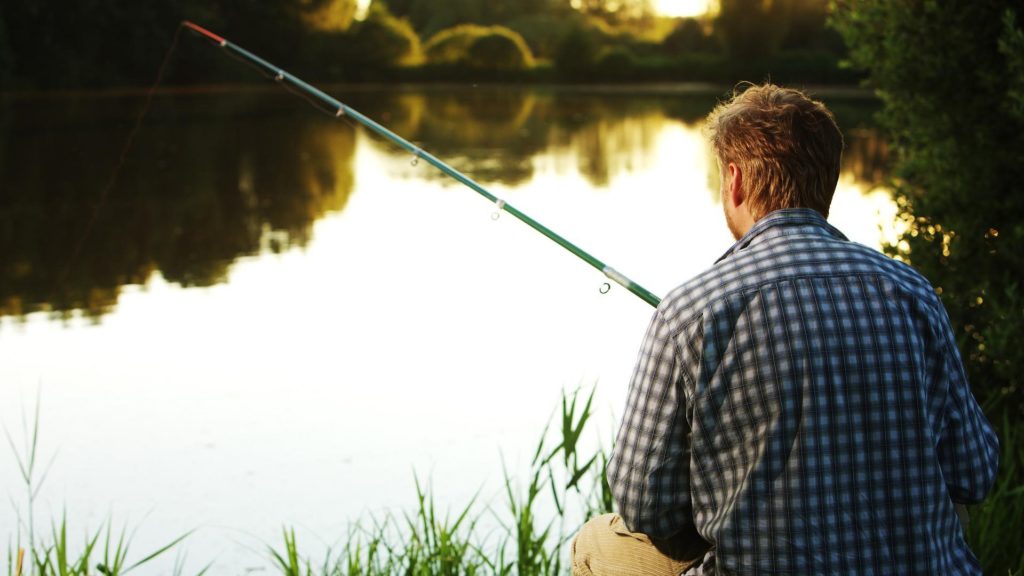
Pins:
<point x="214" y="177"/>
<point x="209" y="180"/>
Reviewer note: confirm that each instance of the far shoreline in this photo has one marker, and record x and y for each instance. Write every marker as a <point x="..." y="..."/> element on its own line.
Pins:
<point x="695" y="88"/>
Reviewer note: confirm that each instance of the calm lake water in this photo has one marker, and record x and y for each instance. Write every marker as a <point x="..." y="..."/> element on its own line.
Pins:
<point x="275" y="318"/>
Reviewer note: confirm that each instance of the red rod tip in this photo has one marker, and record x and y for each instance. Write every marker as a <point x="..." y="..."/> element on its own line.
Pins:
<point x="203" y="31"/>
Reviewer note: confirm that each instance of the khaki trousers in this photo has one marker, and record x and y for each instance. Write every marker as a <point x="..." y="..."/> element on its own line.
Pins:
<point x="604" y="547"/>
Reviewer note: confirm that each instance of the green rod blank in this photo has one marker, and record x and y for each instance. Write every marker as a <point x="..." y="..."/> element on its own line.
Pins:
<point x="342" y="109"/>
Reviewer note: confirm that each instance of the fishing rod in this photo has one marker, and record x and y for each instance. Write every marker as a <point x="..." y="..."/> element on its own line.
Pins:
<point x="339" y="109"/>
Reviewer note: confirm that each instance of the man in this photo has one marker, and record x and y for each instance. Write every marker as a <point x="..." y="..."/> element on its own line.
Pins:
<point x="801" y="407"/>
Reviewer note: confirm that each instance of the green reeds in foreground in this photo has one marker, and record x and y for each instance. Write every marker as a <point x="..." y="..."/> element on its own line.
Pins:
<point x="55" y="557"/>
<point x="996" y="528"/>
<point x="561" y="480"/>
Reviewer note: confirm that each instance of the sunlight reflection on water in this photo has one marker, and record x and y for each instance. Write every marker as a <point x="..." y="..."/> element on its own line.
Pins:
<point x="411" y="332"/>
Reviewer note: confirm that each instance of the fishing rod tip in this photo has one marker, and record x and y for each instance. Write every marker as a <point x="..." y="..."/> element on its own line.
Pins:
<point x="203" y="31"/>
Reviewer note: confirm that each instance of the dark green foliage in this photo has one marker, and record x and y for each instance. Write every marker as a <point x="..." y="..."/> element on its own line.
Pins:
<point x="499" y="49"/>
<point x="382" y="40"/>
<point x="688" y="36"/>
<point x="479" y="47"/>
<point x="428" y="17"/>
<point x="997" y="524"/>
<point x="451" y="45"/>
<point x="576" y="52"/>
<point x="542" y="32"/>
<point x="806" y="28"/>
<point x="59" y="45"/>
<point x="752" y="28"/>
<point x="614" y="61"/>
<point x="85" y="44"/>
<point x="950" y="76"/>
<point x="615" y="11"/>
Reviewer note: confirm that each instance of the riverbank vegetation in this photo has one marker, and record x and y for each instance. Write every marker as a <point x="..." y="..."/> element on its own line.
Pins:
<point x="45" y="44"/>
<point x="525" y="532"/>
<point x="951" y="78"/>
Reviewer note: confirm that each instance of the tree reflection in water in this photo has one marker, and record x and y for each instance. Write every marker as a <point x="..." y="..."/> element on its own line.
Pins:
<point x="214" y="177"/>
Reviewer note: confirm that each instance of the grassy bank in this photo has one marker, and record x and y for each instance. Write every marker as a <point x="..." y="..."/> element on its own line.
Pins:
<point x="527" y="534"/>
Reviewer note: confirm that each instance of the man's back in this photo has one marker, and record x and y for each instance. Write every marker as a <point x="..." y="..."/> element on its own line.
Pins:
<point x="808" y="392"/>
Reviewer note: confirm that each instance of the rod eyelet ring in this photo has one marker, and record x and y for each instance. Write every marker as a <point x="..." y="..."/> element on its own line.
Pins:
<point x="501" y="206"/>
<point x="279" y="77"/>
<point x="605" y="288"/>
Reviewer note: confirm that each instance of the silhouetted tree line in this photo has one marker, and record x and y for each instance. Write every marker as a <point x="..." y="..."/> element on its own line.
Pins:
<point x="49" y="44"/>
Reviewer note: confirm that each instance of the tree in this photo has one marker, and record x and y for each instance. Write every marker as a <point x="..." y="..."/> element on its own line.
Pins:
<point x="576" y="52"/>
<point x="382" y="40"/>
<point x="481" y="47"/>
<point x="951" y="77"/>
<point x="688" y="36"/>
<point x="752" y="28"/>
<point x="500" y="49"/>
<point x="615" y="11"/>
<point x="329" y="15"/>
<point x="806" y="28"/>
<point x="451" y="45"/>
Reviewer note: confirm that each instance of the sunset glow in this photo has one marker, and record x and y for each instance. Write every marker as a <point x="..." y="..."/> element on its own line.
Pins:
<point x="673" y="8"/>
<point x="681" y="8"/>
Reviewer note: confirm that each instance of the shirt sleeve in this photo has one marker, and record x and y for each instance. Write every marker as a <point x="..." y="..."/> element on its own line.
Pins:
<point x="649" y="468"/>
<point x="968" y="446"/>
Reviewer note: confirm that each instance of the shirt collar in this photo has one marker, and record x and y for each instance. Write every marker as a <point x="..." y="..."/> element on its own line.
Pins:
<point x="776" y="223"/>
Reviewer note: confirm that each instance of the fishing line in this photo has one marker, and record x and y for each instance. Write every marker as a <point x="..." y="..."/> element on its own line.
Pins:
<point x="116" y="174"/>
<point x="332" y="106"/>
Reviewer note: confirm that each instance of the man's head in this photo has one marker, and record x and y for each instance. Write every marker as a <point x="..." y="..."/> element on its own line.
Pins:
<point x="777" y="149"/>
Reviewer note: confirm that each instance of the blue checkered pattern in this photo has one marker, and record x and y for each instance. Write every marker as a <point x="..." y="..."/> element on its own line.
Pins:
<point x="804" y="405"/>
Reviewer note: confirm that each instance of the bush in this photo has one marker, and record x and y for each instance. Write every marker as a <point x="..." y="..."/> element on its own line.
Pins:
<point x="542" y="32"/>
<point x="751" y="28"/>
<point x="616" y="61"/>
<point x="385" y="41"/>
<point x="479" y="47"/>
<point x="688" y="36"/>
<point x="451" y="46"/>
<point x="950" y="77"/>
<point x="500" y="49"/>
<point x="576" y="53"/>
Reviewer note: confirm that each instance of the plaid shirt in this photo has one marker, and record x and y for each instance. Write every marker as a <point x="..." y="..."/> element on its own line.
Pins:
<point x="804" y="406"/>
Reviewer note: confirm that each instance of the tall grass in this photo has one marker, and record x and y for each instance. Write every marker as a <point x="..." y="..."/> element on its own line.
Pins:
<point x="996" y="528"/>
<point x="534" y="523"/>
<point x="54" y="556"/>
<point x="525" y="534"/>
<point x="575" y="487"/>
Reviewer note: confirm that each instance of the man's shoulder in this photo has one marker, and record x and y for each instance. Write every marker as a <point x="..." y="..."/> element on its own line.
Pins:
<point x="785" y="259"/>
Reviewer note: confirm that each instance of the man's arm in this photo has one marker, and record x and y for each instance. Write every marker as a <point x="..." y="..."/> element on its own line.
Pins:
<point x="649" y="468"/>
<point x="968" y="447"/>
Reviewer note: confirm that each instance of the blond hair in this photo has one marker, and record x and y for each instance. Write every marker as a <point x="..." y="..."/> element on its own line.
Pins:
<point x="787" y="146"/>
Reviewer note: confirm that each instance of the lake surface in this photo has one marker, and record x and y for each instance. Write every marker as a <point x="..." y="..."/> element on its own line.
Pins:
<point x="276" y="318"/>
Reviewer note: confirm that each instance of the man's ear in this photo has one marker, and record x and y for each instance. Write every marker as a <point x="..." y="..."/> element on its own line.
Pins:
<point x="735" y="185"/>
